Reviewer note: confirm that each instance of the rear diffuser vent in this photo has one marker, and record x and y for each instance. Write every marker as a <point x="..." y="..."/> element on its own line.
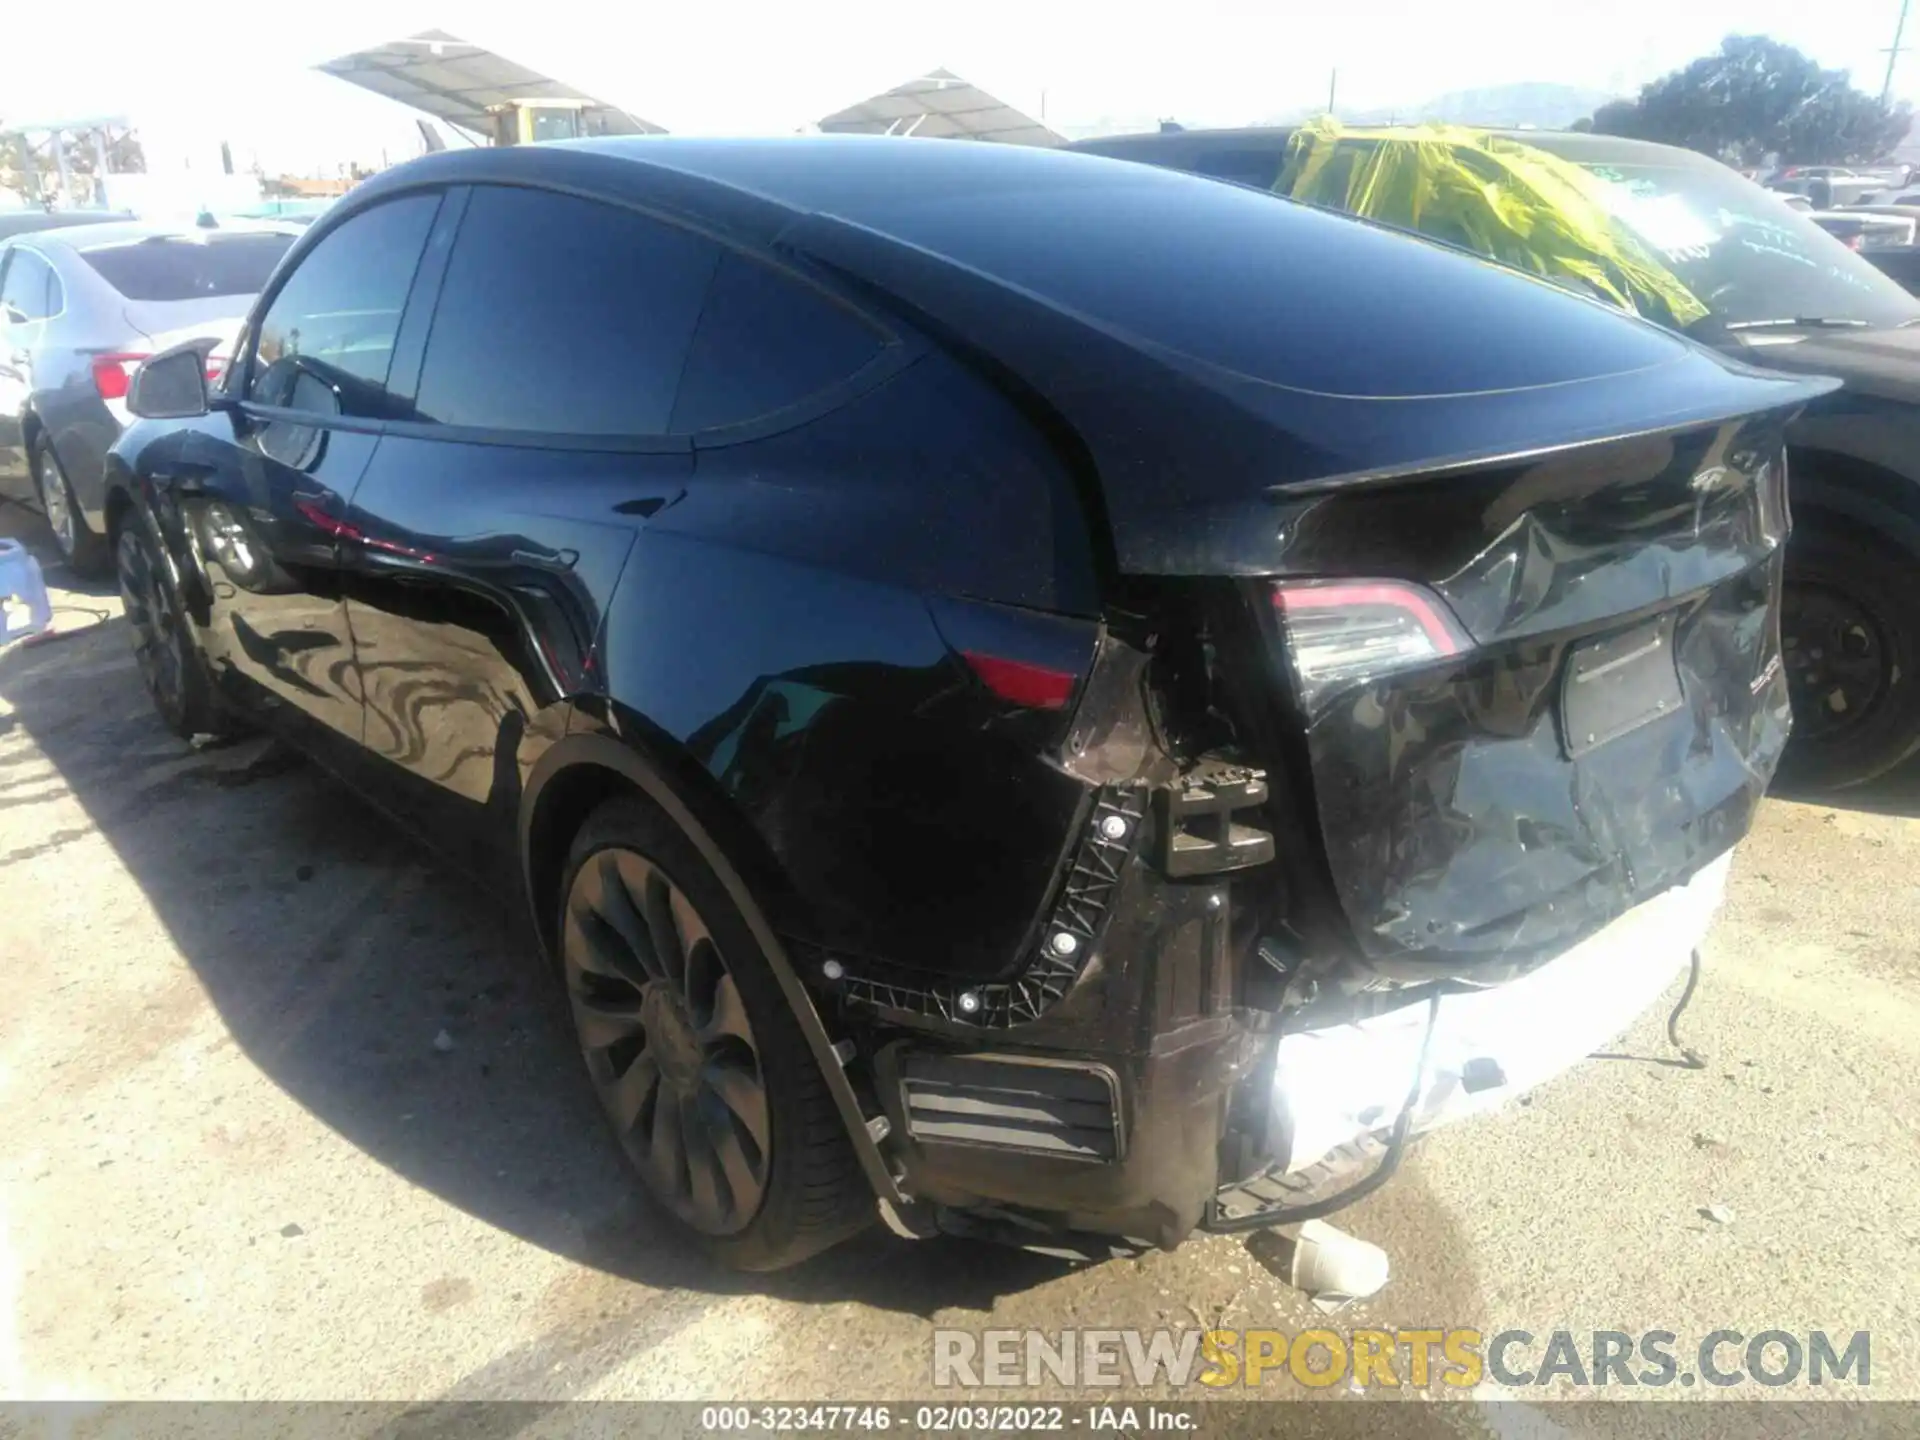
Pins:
<point x="1035" y="1108"/>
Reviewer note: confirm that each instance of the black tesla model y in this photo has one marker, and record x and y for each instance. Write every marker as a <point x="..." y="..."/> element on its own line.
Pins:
<point x="1028" y="695"/>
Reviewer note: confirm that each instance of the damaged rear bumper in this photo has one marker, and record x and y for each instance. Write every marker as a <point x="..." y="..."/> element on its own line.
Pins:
<point x="1335" y="1085"/>
<point x="1157" y="1104"/>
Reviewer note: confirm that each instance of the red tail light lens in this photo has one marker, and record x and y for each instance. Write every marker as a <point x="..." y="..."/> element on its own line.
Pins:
<point x="1020" y="683"/>
<point x="1344" y="632"/>
<point x="113" y="373"/>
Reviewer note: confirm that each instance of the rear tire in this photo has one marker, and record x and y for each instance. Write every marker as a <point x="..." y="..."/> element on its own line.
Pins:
<point x="650" y="943"/>
<point x="1850" y="637"/>
<point x="83" y="550"/>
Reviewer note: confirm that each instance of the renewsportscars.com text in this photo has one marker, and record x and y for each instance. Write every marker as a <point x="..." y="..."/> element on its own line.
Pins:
<point x="1395" y="1359"/>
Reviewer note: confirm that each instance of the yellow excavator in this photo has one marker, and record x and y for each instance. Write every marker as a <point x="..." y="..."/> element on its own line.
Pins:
<point x="485" y="96"/>
<point x="524" y="122"/>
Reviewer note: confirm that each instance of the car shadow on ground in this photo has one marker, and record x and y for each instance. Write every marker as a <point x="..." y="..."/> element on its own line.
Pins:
<point x="391" y="998"/>
<point x="1895" y="793"/>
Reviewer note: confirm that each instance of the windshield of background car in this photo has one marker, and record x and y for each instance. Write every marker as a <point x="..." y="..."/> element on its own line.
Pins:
<point x="1745" y="254"/>
<point x="167" y="269"/>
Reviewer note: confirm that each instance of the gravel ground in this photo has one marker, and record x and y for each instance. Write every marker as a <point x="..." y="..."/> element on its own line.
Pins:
<point x="235" y="1164"/>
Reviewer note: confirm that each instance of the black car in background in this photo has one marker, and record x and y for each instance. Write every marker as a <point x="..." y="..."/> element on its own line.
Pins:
<point x="1015" y="686"/>
<point x="1784" y="294"/>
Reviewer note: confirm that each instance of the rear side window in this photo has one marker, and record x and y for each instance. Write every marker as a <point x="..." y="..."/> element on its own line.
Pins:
<point x="766" y="341"/>
<point x="172" y="268"/>
<point x="29" y="290"/>
<point x="563" y="316"/>
<point x="326" y="341"/>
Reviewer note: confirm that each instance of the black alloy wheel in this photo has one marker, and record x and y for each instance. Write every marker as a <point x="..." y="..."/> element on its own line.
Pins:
<point x="1850" y="646"/>
<point x="1835" y="657"/>
<point x="170" y="665"/>
<point x="667" y="1041"/>
<point x="159" y="641"/>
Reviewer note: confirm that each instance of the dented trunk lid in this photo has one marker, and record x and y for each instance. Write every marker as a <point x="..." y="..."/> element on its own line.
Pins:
<point x="1527" y="697"/>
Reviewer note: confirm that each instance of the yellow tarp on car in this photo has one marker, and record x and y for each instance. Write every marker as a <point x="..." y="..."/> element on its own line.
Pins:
<point x="1494" y="196"/>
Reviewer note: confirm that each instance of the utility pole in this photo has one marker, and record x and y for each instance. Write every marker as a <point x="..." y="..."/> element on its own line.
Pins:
<point x="1333" y="85"/>
<point x="1893" y="54"/>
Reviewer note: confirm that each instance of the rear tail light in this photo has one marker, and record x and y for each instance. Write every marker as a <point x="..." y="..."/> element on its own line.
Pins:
<point x="113" y="373"/>
<point x="1021" y="683"/>
<point x="1344" y="632"/>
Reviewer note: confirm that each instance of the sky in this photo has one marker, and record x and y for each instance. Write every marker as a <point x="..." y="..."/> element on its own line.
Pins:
<point x="192" y="76"/>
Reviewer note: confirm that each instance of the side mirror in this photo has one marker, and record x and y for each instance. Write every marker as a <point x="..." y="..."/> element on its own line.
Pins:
<point x="172" y="385"/>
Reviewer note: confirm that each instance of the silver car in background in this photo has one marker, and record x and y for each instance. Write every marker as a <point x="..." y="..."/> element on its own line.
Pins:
<point x="80" y="308"/>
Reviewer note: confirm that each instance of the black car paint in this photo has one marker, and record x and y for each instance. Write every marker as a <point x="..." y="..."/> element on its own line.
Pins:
<point x="1467" y="833"/>
<point x="1855" y="452"/>
<point x="765" y="627"/>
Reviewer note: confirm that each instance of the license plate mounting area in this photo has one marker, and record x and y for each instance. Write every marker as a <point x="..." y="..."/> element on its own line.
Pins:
<point x="1614" y="686"/>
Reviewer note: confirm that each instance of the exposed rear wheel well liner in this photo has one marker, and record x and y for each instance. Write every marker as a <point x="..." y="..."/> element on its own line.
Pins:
<point x="598" y="762"/>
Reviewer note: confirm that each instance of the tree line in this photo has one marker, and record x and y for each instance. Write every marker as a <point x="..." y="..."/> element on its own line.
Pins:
<point x="1756" y="101"/>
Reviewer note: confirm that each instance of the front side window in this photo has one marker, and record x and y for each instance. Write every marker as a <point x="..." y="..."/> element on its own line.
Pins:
<point x="326" y="341"/>
<point x="29" y="290"/>
<point x="562" y="316"/>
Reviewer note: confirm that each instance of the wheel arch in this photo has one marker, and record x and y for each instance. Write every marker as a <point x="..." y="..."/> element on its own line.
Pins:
<point x="119" y="503"/>
<point x="595" y="759"/>
<point x="1860" y="493"/>
<point x="580" y="771"/>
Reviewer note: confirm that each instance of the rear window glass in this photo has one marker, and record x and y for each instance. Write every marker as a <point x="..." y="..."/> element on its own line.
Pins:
<point x="765" y="342"/>
<point x="167" y="269"/>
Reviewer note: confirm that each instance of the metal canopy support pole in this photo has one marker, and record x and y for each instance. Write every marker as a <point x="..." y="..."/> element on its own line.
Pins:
<point x="28" y="170"/>
<point x="60" y="164"/>
<point x="1893" y="54"/>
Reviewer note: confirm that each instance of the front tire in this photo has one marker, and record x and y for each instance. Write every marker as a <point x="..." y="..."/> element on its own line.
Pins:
<point x="711" y="1088"/>
<point x="171" y="670"/>
<point x="1850" y="641"/>
<point x="83" y="550"/>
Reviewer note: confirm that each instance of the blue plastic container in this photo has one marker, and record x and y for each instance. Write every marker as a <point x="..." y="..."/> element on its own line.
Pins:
<point x="24" y="609"/>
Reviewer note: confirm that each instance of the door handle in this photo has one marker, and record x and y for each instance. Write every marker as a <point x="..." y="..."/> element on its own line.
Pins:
<point x="20" y="357"/>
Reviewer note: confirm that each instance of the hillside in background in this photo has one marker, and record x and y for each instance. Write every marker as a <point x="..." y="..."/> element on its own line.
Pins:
<point x="1539" y="104"/>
